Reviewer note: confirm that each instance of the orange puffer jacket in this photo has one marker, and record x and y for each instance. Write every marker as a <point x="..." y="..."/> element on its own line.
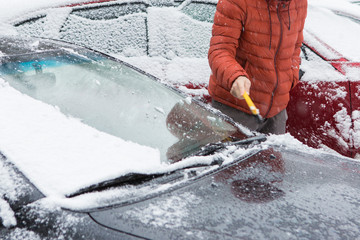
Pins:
<point x="260" y="40"/>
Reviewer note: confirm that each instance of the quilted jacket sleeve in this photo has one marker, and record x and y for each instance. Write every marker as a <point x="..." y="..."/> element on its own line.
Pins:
<point x="229" y="20"/>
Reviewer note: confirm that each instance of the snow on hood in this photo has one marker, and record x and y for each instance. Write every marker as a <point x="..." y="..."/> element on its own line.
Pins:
<point x="59" y="154"/>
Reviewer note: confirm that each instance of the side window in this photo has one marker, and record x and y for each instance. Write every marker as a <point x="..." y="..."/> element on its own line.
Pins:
<point x="116" y="28"/>
<point x="200" y="11"/>
<point x="109" y="11"/>
<point x="33" y="27"/>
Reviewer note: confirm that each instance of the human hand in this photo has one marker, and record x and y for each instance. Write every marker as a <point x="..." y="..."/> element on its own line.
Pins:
<point x="240" y="85"/>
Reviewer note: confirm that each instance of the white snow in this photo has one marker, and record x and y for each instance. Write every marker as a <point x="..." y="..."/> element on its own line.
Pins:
<point x="186" y="43"/>
<point x="21" y="233"/>
<point x="335" y="31"/>
<point x="316" y="69"/>
<point x="11" y="188"/>
<point x="16" y="8"/>
<point x="7" y="216"/>
<point x="356" y="131"/>
<point x="353" y="73"/>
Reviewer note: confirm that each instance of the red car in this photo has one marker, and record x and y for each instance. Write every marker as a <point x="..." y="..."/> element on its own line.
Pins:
<point x="325" y="108"/>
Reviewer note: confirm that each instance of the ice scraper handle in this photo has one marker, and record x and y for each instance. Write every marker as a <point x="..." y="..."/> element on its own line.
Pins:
<point x="255" y="111"/>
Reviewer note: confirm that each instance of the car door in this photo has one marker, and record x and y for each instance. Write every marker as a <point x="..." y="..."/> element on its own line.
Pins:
<point x="321" y="109"/>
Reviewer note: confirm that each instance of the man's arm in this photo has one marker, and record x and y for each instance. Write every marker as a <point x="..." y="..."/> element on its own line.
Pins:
<point x="229" y="20"/>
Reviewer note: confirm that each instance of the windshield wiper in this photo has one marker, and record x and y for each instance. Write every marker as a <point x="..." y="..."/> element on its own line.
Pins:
<point x="140" y="178"/>
<point x="214" y="147"/>
<point x="135" y="178"/>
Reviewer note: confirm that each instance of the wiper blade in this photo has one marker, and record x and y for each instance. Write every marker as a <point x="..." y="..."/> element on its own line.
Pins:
<point x="257" y="139"/>
<point x="213" y="147"/>
<point x="140" y="178"/>
<point x="131" y="178"/>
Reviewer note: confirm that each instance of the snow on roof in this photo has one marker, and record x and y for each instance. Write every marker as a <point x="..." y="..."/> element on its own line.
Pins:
<point x="339" y="33"/>
<point x="15" y="8"/>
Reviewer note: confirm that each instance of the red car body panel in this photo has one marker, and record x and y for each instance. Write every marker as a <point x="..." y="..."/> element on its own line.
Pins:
<point x="313" y="109"/>
<point x="311" y="115"/>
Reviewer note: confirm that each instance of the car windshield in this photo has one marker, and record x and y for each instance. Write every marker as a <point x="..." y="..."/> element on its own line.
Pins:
<point x="118" y="99"/>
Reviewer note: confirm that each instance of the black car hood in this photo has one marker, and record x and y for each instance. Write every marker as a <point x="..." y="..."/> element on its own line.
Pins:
<point x="284" y="196"/>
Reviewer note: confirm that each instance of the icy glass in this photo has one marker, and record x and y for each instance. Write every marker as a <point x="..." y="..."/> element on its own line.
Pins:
<point x="119" y="33"/>
<point x="117" y="99"/>
<point x="32" y="27"/>
<point x="109" y="11"/>
<point x="200" y="11"/>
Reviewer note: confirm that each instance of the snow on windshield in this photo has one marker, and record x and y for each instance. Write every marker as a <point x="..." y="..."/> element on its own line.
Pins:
<point x="60" y="154"/>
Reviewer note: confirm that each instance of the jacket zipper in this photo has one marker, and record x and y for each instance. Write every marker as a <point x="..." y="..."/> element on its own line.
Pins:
<point x="275" y="65"/>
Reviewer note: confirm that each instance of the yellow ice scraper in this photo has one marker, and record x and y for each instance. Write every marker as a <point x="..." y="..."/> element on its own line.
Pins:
<point x="255" y="111"/>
